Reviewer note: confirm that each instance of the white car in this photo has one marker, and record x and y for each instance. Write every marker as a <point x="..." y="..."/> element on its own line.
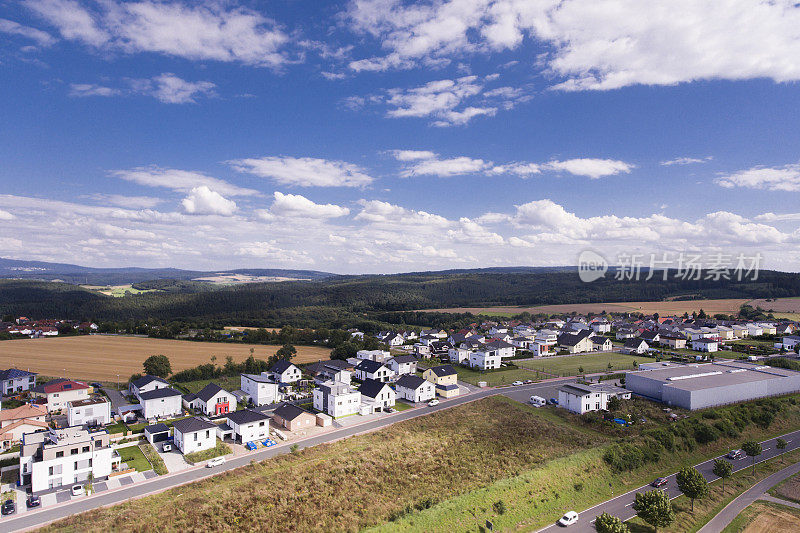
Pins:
<point x="77" y="490"/>
<point x="433" y="402"/>
<point x="216" y="461"/>
<point x="517" y="383"/>
<point x="569" y="518"/>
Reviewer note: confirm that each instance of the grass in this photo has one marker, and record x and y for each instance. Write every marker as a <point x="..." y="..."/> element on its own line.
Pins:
<point x="117" y="427"/>
<point x="10" y="476"/>
<point x="134" y="458"/>
<point x="400" y="405"/>
<point x="591" y="363"/>
<point x="788" y="489"/>
<point x="357" y="482"/>
<point x="493" y="378"/>
<point x="763" y="517"/>
<point x="198" y="457"/>
<point x="229" y="383"/>
<point x="152" y="456"/>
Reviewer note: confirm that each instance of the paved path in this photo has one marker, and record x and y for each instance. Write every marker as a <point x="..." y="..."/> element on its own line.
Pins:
<point x="732" y="510"/>
<point x="773" y="499"/>
<point x="115" y="397"/>
<point x="114" y="496"/>
<point x="621" y="505"/>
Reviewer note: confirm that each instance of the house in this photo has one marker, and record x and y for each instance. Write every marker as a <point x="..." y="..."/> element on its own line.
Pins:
<point x="368" y="369"/>
<point x="57" y="393"/>
<point x="651" y="337"/>
<point x="440" y="348"/>
<point x="581" y="399"/>
<point x="740" y="332"/>
<point x="378" y="395"/>
<point x="20" y="420"/>
<point x="161" y="403"/>
<point x="576" y="342"/>
<point x="601" y="344"/>
<point x="89" y="412"/>
<point x="635" y="346"/>
<point x="292" y="418"/>
<point x="147" y="383"/>
<point x="415" y="389"/>
<point x="213" y="400"/>
<point x="755" y="330"/>
<point x="503" y="348"/>
<point x="484" y="359"/>
<point x="333" y="370"/>
<point x="542" y="348"/>
<point x="260" y="389"/>
<point x="790" y="341"/>
<point x="194" y="434"/>
<point x="623" y="334"/>
<point x="402" y="364"/>
<point x="459" y="355"/>
<point x="768" y="329"/>
<point x="336" y="399"/>
<point x="393" y="339"/>
<point x="444" y="378"/>
<point x="156" y="433"/>
<point x="523" y="343"/>
<point x="285" y="372"/>
<point x="14" y="380"/>
<point x="724" y="333"/>
<point x="248" y="425"/>
<point x="673" y="341"/>
<point x="64" y="457"/>
<point x="422" y="350"/>
<point x="705" y="345"/>
<point x="601" y="327"/>
<point x="373" y="355"/>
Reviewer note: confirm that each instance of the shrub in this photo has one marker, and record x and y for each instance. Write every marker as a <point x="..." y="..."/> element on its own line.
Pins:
<point x="663" y="436"/>
<point x="624" y="457"/>
<point x="705" y="434"/>
<point x="499" y="507"/>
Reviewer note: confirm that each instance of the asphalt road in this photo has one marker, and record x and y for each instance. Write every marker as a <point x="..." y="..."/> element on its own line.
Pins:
<point x="38" y="518"/>
<point x="621" y="505"/>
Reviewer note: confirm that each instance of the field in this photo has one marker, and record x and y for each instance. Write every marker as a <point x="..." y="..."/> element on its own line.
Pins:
<point x="102" y="357"/>
<point x="569" y="365"/>
<point x="117" y="291"/>
<point x="788" y="489"/>
<point x="226" y="382"/>
<point x="357" y="482"/>
<point x="765" y="517"/>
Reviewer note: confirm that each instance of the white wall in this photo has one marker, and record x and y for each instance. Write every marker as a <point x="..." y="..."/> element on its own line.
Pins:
<point x="99" y="413"/>
<point x="197" y="441"/>
<point x="162" y="407"/>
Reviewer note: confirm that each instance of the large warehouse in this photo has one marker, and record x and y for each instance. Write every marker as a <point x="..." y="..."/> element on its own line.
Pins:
<point x="696" y="386"/>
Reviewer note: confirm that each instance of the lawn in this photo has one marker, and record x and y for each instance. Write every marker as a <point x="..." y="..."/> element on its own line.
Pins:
<point x="570" y="365"/>
<point x="134" y="458"/>
<point x="360" y="481"/>
<point x="229" y="383"/>
<point x="218" y="450"/>
<point x="764" y="517"/>
<point x="400" y="405"/>
<point x="493" y="378"/>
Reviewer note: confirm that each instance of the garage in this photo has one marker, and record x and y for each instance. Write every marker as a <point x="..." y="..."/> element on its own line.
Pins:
<point x="156" y="433"/>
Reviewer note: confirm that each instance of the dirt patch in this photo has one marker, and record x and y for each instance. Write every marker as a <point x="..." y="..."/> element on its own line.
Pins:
<point x="790" y="489"/>
<point x="770" y="518"/>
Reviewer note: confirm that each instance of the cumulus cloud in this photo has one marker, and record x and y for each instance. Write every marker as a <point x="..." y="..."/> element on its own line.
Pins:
<point x="785" y="178"/>
<point x="591" y="46"/>
<point x="179" y="180"/>
<point x="378" y="212"/>
<point x="297" y="206"/>
<point x="204" y="201"/>
<point x="304" y="171"/>
<point x="591" y="168"/>
<point x="14" y="28"/>
<point x="215" y="30"/>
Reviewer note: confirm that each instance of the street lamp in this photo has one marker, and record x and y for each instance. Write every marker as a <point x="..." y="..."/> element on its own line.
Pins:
<point x="117" y="381"/>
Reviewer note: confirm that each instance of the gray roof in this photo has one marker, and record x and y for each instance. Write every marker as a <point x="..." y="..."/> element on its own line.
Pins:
<point x="404" y="359"/>
<point x="259" y="378"/>
<point x="159" y="393"/>
<point x="281" y="366"/>
<point x="443" y="370"/>
<point x="289" y="411"/>
<point x="246" y="416"/>
<point x="371" y="387"/>
<point x="634" y="343"/>
<point x="157" y="428"/>
<point x="192" y="424"/>
<point x="15" y="373"/>
<point x="144" y="380"/>
<point x="410" y="382"/>
<point x="208" y="392"/>
<point x="369" y="366"/>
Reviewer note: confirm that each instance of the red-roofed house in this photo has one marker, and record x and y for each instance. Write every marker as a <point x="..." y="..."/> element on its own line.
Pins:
<point x="58" y="392"/>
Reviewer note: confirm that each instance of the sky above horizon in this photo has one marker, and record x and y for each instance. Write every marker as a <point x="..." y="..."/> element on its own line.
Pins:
<point x="381" y="136"/>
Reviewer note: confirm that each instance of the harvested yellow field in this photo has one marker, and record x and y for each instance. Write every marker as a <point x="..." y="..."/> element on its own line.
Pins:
<point x="766" y="518"/>
<point x="102" y="357"/>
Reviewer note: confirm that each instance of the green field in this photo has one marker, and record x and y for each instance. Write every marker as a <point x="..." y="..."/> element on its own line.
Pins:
<point x="134" y="458"/>
<point x="229" y="383"/>
<point x="492" y="378"/>
<point x="591" y="363"/>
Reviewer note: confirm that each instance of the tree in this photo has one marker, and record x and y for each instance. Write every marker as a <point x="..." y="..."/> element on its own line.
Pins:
<point x="654" y="508"/>
<point x="752" y="449"/>
<point x="614" y="404"/>
<point x="692" y="484"/>
<point x="157" y="365"/>
<point x="606" y="523"/>
<point x="287" y="351"/>
<point x="781" y="445"/>
<point x="723" y="469"/>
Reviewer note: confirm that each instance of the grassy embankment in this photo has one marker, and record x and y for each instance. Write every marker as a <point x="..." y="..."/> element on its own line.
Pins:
<point x="218" y="450"/>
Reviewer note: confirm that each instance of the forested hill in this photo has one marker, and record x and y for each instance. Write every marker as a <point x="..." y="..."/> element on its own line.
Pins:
<point x="337" y="299"/>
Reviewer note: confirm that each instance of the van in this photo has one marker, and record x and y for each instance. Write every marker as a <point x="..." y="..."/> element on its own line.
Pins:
<point x="537" y="401"/>
<point x="216" y="461"/>
<point x="752" y="358"/>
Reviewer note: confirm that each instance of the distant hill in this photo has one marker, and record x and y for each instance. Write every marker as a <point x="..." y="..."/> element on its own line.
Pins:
<point x="81" y="275"/>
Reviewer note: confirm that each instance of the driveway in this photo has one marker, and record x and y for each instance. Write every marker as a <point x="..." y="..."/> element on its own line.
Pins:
<point x="173" y="460"/>
<point x="116" y="398"/>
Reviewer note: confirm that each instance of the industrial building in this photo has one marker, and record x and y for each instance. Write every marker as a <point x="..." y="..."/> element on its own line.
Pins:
<point x="697" y="386"/>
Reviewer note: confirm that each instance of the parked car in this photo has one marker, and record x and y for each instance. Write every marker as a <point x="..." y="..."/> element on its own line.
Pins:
<point x="167" y="447"/>
<point x="569" y="518"/>
<point x="390" y="409"/>
<point x="33" y="501"/>
<point x="77" y="490"/>
<point x="433" y="402"/>
<point x="735" y="454"/>
<point x="659" y="482"/>
<point x="517" y="383"/>
<point x="552" y="401"/>
<point x="528" y="381"/>
<point x="9" y="507"/>
<point x="216" y="461"/>
<point x="96" y="385"/>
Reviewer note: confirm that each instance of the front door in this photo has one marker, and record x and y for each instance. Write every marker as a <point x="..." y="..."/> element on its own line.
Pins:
<point x="222" y="408"/>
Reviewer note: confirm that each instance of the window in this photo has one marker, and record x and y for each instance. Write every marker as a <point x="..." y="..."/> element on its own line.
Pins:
<point x="85" y="449"/>
<point x="73" y="451"/>
<point x="50" y="471"/>
<point x="59" y="454"/>
<point x="195" y="436"/>
<point x="76" y="465"/>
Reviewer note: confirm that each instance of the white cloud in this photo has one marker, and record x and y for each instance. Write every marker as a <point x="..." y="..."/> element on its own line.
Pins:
<point x="297" y="206"/>
<point x="305" y="171"/>
<point x="170" y="89"/>
<point x="5" y="215"/>
<point x="594" y="44"/>
<point x="591" y="168"/>
<point x="378" y="212"/>
<point x="785" y="178"/>
<point x="204" y="201"/>
<point x="213" y="30"/>
<point x="412" y="155"/>
<point x="14" y="28"/>
<point x="80" y="90"/>
<point x="686" y="161"/>
<point x="444" y="168"/>
<point x="130" y="202"/>
<point x="179" y="180"/>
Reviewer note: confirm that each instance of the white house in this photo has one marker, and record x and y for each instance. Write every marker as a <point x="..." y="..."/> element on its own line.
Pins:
<point x="415" y="389"/>
<point x="377" y="395"/>
<point x="581" y="399"/>
<point x="637" y="346"/>
<point x="504" y="349"/>
<point x="91" y="411"/>
<point x="64" y="457"/>
<point x="393" y="339"/>
<point x="248" y="425"/>
<point x="146" y="384"/>
<point x="161" y="403"/>
<point x="576" y="342"/>
<point x="705" y="345"/>
<point x="402" y="364"/>
<point x="601" y="344"/>
<point x="601" y="327"/>
<point x="623" y="334"/>
<point x="790" y="341"/>
<point x="58" y="392"/>
<point x="285" y="372"/>
<point x="484" y="359"/>
<point x="368" y="369"/>
<point x="754" y="330"/>
<point x="336" y="399"/>
<point x="373" y="355"/>
<point x="14" y="380"/>
<point x="459" y="355"/>
<point x="261" y="389"/>
<point x="333" y="370"/>
<point x="213" y="400"/>
<point x="194" y="434"/>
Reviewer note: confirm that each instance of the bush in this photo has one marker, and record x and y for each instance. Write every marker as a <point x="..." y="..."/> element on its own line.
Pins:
<point x="624" y="457"/>
<point x="705" y="434"/>
<point x="663" y="436"/>
<point x="196" y="457"/>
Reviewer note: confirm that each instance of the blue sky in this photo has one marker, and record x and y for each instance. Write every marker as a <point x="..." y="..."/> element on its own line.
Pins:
<point x="388" y="136"/>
